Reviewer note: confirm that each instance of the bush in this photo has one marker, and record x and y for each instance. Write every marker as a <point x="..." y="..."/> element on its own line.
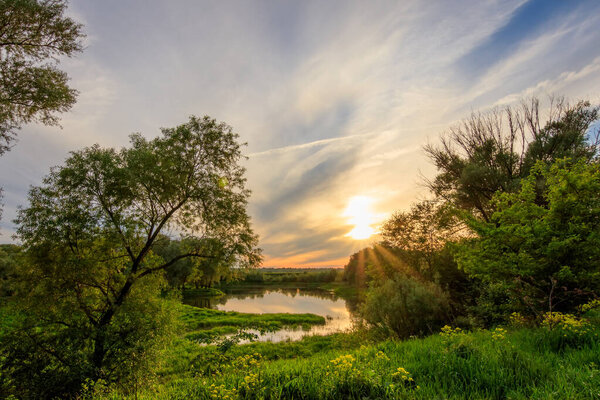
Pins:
<point x="44" y="360"/>
<point x="404" y="306"/>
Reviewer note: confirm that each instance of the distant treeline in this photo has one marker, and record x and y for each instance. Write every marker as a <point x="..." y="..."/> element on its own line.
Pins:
<point x="270" y="275"/>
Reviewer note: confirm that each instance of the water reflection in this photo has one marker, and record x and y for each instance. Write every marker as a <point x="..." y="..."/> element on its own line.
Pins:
<point x="338" y="312"/>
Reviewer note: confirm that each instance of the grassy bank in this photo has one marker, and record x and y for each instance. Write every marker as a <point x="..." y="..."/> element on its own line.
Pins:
<point x="204" y="325"/>
<point x="523" y="363"/>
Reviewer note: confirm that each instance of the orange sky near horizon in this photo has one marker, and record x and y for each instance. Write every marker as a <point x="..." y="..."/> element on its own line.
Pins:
<point x="292" y="263"/>
<point x="361" y="222"/>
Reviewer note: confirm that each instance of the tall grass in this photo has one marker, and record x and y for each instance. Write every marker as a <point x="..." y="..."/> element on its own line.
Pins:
<point x="526" y="363"/>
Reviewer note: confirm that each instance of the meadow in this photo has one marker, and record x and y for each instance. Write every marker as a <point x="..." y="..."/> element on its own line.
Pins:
<point x="558" y="360"/>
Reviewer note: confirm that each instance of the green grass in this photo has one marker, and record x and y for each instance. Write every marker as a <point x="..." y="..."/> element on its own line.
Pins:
<point x="205" y="325"/>
<point x="197" y="318"/>
<point x="185" y="358"/>
<point x="527" y="363"/>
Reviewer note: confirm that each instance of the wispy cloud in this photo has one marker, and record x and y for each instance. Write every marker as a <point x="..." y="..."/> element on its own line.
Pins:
<point x="315" y="143"/>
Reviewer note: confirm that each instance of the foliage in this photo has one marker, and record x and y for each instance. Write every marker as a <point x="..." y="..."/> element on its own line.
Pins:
<point x="542" y="242"/>
<point x="422" y="232"/>
<point x="203" y="292"/>
<point x="47" y="351"/>
<point x="188" y="357"/>
<point x="376" y="264"/>
<point x="34" y="34"/>
<point x="202" y="272"/>
<point x="404" y="306"/>
<point x="566" y="331"/>
<point x="10" y="256"/>
<point x="177" y="274"/>
<point x="90" y="285"/>
<point x="492" y="152"/>
<point x="592" y="305"/>
<point x="420" y="237"/>
<point x="566" y="135"/>
<point x="565" y="322"/>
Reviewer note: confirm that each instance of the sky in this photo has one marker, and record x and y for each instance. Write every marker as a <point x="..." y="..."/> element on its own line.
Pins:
<point x="335" y="99"/>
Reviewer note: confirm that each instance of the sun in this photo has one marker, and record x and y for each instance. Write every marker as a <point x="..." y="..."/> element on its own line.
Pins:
<point x="361" y="232"/>
<point x="359" y="213"/>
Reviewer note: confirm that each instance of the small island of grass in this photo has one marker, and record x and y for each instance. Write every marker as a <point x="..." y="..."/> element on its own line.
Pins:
<point x="205" y="325"/>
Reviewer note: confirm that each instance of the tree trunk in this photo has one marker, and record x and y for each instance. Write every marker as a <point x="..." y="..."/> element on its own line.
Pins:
<point x="99" y="352"/>
<point x="100" y="329"/>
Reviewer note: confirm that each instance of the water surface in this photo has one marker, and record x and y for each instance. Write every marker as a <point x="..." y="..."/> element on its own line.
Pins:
<point x="338" y="312"/>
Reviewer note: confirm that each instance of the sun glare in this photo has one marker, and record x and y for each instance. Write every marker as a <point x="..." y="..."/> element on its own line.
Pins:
<point x="360" y="215"/>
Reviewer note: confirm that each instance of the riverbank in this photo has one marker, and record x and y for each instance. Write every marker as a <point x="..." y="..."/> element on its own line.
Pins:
<point x="515" y="363"/>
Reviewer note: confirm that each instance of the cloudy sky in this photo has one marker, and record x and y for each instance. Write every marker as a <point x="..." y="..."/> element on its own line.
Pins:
<point x="335" y="98"/>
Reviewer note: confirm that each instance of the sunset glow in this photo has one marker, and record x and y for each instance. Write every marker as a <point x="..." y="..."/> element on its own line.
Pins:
<point x="359" y="213"/>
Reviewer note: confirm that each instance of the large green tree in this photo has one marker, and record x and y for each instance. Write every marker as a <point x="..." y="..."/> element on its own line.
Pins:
<point x="198" y="272"/>
<point x="33" y="35"/>
<point x="90" y="232"/>
<point x="542" y="244"/>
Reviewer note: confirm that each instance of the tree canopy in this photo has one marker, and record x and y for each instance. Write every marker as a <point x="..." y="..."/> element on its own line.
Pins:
<point x="492" y="152"/>
<point x="34" y="34"/>
<point x="423" y="231"/>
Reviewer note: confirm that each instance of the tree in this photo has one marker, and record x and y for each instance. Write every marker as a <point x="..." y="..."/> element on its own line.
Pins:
<point x="207" y="271"/>
<point x="197" y="271"/>
<point x="492" y="152"/>
<point x="33" y="35"/>
<point x="421" y="236"/>
<point x="90" y="232"/>
<point x="422" y="233"/>
<point x="178" y="273"/>
<point x="374" y="265"/>
<point x="542" y="244"/>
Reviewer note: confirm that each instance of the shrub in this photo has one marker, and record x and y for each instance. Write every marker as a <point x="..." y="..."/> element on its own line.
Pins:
<point x="404" y="306"/>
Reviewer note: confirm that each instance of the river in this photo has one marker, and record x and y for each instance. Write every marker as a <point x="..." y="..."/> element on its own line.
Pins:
<point x="339" y="313"/>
